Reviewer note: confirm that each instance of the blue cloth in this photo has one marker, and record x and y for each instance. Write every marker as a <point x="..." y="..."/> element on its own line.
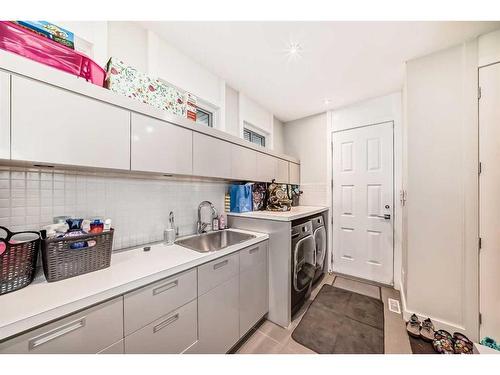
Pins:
<point x="241" y="198"/>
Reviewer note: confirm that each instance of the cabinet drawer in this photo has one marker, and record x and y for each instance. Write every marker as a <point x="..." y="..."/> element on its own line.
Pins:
<point x="214" y="273"/>
<point x="253" y="255"/>
<point x="55" y="126"/>
<point x="86" y="332"/>
<point x="147" y="304"/>
<point x="171" y="334"/>
<point x="116" y="348"/>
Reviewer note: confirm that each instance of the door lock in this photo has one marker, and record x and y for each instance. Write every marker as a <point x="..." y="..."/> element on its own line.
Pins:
<point x="385" y="216"/>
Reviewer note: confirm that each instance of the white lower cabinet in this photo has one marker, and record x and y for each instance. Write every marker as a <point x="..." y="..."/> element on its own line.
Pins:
<point x="171" y="334"/>
<point x="4" y="116"/>
<point x="87" y="332"/>
<point x="254" y="300"/>
<point x="218" y="318"/>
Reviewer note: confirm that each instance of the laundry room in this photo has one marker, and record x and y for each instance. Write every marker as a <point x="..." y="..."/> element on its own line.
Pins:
<point x="310" y="184"/>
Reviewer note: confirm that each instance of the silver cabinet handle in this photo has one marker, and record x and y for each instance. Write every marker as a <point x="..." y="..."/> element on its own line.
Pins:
<point x="254" y="250"/>
<point x="165" y="323"/>
<point x="56" y="333"/>
<point x="164" y="288"/>
<point x="221" y="264"/>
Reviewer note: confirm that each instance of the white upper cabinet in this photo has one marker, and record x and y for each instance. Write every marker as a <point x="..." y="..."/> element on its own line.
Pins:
<point x="211" y="157"/>
<point x="51" y="125"/>
<point x="243" y="163"/>
<point x="4" y="116"/>
<point x="294" y="173"/>
<point x="158" y="146"/>
<point x="266" y="167"/>
<point x="281" y="171"/>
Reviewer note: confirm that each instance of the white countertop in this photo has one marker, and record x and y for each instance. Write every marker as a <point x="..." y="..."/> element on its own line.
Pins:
<point x="41" y="302"/>
<point x="295" y="213"/>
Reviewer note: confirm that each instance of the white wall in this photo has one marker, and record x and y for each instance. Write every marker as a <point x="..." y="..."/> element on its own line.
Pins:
<point x="128" y="42"/>
<point x="377" y="110"/>
<point x="305" y="140"/>
<point x="442" y="173"/>
<point x="232" y="111"/>
<point x="278" y="136"/>
<point x="489" y="48"/>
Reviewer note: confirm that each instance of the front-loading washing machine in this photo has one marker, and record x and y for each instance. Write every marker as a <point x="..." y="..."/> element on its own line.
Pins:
<point x="303" y="263"/>
<point x="319" y="234"/>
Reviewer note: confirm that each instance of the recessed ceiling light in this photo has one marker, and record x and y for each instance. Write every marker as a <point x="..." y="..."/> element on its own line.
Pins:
<point x="294" y="48"/>
<point x="327" y="101"/>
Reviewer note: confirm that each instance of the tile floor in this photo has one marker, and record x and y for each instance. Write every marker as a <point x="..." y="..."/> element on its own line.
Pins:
<point x="269" y="338"/>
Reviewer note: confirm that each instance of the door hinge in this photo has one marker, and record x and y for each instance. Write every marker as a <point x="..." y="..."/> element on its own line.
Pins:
<point x="402" y="197"/>
<point x="480" y="243"/>
<point x="480" y="318"/>
<point x="479" y="92"/>
<point x="480" y="167"/>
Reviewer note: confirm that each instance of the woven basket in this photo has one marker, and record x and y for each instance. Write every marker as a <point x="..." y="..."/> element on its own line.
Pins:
<point x="17" y="262"/>
<point x="61" y="262"/>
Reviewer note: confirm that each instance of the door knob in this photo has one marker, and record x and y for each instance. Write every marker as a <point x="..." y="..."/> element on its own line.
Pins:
<point x="385" y="216"/>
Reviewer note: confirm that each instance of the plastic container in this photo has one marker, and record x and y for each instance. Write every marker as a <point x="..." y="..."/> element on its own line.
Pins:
<point x="18" y="255"/>
<point x="61" y="262"/>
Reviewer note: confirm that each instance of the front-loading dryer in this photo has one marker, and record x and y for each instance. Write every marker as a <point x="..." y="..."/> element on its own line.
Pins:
<point x="303" y="263"/>
<point x="319" y="234"/>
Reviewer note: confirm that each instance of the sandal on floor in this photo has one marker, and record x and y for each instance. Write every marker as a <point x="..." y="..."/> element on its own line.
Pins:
<point x="443" y="342"/>
<point x="462" y="344"/>
<point x="427" y="330"/>
<point x="413" y="326"/>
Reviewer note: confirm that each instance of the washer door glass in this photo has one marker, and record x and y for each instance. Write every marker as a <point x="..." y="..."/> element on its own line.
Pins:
<point x="320" y="239"/>
<point x="303" y="263"/>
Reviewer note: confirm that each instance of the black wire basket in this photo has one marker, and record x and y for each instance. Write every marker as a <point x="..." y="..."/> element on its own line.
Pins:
<point x="61" y="259"/>
<point x="18" y="255"/>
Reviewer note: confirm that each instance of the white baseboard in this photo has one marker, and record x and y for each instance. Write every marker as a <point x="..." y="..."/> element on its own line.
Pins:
<point x="438" y="324"/>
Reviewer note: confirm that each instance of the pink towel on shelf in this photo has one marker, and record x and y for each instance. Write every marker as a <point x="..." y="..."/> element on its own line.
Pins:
<point x="14" y="38"/>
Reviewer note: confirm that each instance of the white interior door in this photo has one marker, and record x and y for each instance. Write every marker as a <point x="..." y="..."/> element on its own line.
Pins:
<point x="489" y="201"/>
<point x="363" y="202"/>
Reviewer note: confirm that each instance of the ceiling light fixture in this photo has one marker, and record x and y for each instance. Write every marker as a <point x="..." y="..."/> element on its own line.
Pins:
<point x="293" y="50"/>
<point x="327" y="101"/>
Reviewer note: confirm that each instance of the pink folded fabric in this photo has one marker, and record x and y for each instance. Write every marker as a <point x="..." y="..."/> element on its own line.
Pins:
<point x="14" y="38"/>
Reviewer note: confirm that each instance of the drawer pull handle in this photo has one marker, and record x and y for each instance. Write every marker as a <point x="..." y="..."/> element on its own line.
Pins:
<point x="164" y="288"/>
<point x="165" y="323"/>
<point x="56" y="333"/>
<point x="221" y="264"/>
<point x="253" y="250"/>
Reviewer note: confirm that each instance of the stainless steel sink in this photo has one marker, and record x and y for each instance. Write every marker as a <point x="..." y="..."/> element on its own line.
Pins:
<point x="213" y="241"/>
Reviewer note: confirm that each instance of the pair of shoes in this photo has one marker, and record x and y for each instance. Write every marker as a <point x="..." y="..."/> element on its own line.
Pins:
<point x="424" y="330"/>
<point x="490" y="343"/>
<point x="445" y="343"/>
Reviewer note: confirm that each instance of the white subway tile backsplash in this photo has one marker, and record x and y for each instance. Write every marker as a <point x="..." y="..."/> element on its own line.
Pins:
<point x="139" y="207"/>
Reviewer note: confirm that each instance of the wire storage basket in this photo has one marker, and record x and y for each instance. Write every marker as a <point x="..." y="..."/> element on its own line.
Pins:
<point x="61" y="259"/>
<point x="18" y="255"/>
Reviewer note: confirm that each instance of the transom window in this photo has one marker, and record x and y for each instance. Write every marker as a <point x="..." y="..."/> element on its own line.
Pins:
<point x="204" y="117"/>
<point x="254" y="137"/>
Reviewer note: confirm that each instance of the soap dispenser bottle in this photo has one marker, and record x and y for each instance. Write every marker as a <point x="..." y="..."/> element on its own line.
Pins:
<point x="171" y="232"/>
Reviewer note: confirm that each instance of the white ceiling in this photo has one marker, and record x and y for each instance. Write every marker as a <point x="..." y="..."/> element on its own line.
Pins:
<point x="343" y="61"/>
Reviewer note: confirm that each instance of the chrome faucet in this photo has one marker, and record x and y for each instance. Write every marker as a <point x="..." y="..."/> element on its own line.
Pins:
<point x="200" y="226"/>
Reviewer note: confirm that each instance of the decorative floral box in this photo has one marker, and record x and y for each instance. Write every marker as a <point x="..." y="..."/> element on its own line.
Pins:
<point x="128" y="81"/>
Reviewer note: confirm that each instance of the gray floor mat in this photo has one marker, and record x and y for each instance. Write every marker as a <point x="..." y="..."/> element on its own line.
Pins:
<point x="342" y="322"/>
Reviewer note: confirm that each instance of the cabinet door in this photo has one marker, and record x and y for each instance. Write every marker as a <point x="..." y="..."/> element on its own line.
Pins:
<point x="158" y="146"/>
<point x="282" y="171"/>
<point x="55" y="126"/>
<point x="87" y="332"/>
<point x="254" y="286"/>
<point x="243" y="163"/>
<point x="218" y="318"/>
<point x="116" y="348"/>
<point x="211" y="156"/>
<point x="267" y="166"/>
<point x="294" y="170"/>
<point x="4" y="116"/>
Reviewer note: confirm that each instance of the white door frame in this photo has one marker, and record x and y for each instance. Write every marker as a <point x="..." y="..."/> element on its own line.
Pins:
<point x="394" y="209"/>
<point x="376" y="110"/>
